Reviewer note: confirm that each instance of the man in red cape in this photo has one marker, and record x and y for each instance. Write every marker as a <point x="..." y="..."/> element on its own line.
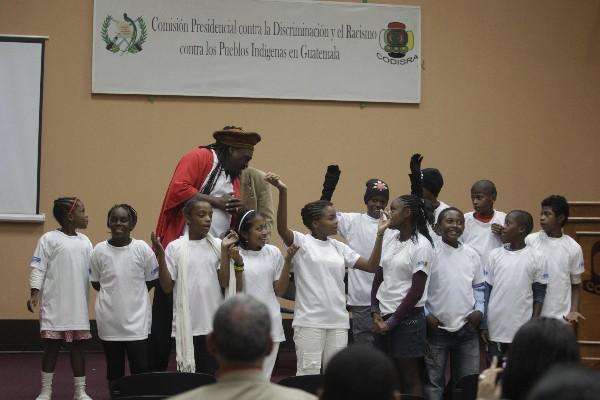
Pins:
<point x="212" y="173"/>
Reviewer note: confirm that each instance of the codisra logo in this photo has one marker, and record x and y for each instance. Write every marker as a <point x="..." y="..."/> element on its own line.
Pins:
<point x="396" y="41"/>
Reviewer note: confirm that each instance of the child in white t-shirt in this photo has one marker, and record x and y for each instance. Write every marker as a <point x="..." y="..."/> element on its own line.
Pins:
<point x="359" y="230"/>
<point x="455" y="305"/>
<point x="59" y="284"/>
<point x="121" y="271"/>
<point x="265" y="274"/>
<point x="564" y="259"/>
<point x="321" y="320"/>
<point x="400" y="284"/>
<point x="192" y="267"/>
<point x="517" y="277"/>
<point x="483" y="225"/>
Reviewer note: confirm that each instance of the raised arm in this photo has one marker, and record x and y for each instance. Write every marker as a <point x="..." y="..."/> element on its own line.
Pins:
<point x="164" y="276"/>
<point x="228" y="251"/>
<point x="372" y="263"/>
<point x="282" y="226"/>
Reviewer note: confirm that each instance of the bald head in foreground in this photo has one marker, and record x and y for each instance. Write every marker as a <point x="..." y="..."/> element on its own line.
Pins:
<point x="240" y="341"/>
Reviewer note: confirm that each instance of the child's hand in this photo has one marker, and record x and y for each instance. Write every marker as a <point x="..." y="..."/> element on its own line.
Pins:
<point x="432" y="322"/>
<point x="291" y="252"/>
<point x="497" y="229"/>
<point x="229" y="241"/>
<point x="485" y="336"/>
<point x="274" y="180"/>
<point x="474" y="319"/>
<point x="33" y="300"/>
<point x="234" y="253"/>
<point x="156" y="245"/>
<point x="415" y="164"/>
<point x="379" y="324"/>
<point x="488" y="389"/>
<point x="384" y="222"/>
<point x="573" y="317"/>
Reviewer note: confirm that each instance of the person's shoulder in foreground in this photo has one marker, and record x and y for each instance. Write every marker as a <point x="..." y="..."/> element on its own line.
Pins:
<point x="242" y="385"/>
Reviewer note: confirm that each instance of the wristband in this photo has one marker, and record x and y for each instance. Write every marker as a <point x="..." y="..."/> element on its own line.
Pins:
<point x="238" y="268"/>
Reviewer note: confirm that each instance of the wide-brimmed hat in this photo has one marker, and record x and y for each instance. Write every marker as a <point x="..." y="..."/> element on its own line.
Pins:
<point x="236" y="137"/>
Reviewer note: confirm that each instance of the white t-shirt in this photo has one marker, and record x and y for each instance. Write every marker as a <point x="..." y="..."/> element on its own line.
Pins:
<point x="360" y="231"/>
<point x="479" y="234"/>
<point x="65" y="261"/>
<point x="122" y="304"/>
<point x="511" y="273"/>
<point x="319" y="269"/>
<point x="436" y="213"/>
<point x="220" y="220"/>
<point x="261" y="269"/>
<point x="400" y="261"/>
<point x="450" y="296"/>
<point x="563" y="259"/>
<point x="204" y="290"/>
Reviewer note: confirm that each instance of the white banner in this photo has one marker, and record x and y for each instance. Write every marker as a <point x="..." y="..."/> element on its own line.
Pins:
<point x="258" y="48"/>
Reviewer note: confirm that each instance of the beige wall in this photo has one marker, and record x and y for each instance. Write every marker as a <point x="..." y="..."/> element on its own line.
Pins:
<point x="511" y="92"/>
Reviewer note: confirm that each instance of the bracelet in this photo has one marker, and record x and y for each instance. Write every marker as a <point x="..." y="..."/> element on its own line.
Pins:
<point x="238" y="268"/>
<point x="381" y="234"/>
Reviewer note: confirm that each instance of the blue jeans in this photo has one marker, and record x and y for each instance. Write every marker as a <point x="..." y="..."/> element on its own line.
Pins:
<point x="463" y="348"/>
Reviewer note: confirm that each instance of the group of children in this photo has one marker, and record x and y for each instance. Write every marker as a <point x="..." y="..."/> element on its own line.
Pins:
<point x="425" y="280"/>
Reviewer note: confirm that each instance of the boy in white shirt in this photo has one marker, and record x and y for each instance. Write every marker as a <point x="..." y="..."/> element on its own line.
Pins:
<point x="564" y="259"/>
<point x="483" y="225"/>
<point x="359" y="230"/>
<point x="454" y="307"/>
<point x="517" y="279"/>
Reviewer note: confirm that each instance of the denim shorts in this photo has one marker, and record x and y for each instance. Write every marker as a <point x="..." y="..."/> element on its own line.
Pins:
<point x="408" y="339"/>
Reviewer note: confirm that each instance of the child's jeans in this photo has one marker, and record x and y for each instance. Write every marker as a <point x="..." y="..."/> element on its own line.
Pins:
<point x="463" y="348"/>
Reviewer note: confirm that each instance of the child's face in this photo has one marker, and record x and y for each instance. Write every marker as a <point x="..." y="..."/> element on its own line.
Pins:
<point x="483" y="202"/>
<point x="375" y="204"/>
<point x="199" y="218"/>
<point x="549" y="221"/>
<point x="257" y="234"/>
<point x="327" y="223"/>
<point x="119" y="223"/>
<point x="78" y="216"/>
<point x="451" y="226"/>
<point x="398" y="213"/>
<point x="512" y="231"/>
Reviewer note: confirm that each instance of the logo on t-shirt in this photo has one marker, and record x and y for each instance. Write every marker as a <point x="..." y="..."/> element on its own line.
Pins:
<point x="36" y="259"/>
<point x="422" y="264"/>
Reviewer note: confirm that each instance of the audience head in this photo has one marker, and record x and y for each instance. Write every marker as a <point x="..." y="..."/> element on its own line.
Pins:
<point x="241" y="332"/>
<point x="359" y="372"/>
<point x="555" y="212"/>
<point x="483" y="196"/>
<point x="377" y="195"/>
<point x="538" y="345"/>
<point x="567" y="382"/>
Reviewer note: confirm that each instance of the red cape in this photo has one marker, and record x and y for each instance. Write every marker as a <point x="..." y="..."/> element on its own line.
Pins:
<point x="189" y="176"/>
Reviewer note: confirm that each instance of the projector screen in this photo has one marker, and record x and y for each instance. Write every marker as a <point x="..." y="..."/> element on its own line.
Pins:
<point x="21" y="83"/>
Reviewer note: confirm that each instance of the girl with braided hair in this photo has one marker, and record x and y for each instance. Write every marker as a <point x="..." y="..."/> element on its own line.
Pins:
<point x="121" y="271"/>
<point x="59" y="285"/>
<point x="321" y="321"/>
<point x="398" y="293"/>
